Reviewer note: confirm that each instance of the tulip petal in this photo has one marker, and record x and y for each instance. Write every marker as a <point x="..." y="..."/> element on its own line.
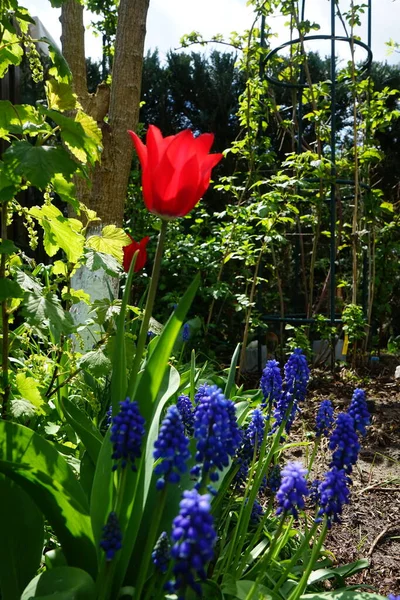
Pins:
<point x="203" y="143"/>
<point x="205" y="175"/>
<point x="140" y="148"/>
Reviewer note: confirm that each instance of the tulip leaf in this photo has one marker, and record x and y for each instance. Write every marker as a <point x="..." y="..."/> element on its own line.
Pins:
<point x="147" y="393"/>
<point x="22" y="537"/>
<point x="83" y="427"/>
<point x="111" y="241"/>
<point x="34" y="464"/>
<point x="61" y="583"/>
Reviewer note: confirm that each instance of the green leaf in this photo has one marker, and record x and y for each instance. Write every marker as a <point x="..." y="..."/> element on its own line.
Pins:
<point x="66" y="190"/>
<point x="22" y="537"/>
<point x="28" y="387"/>
<point x="84" y="428"/>
<point x="340" y="572"/>
<point x="232" y="372"/>
<point x="45" y="310"/>
<point x="60" y="232"/>
<point x="61" y="583"/>
<point x="7" y="247"/>
<point x="39" y="164"/>
<point x="111" y="241"/>
<point x="9" y="184"/>
<point x="43" y="473"/>
<point x="96" y="362"/>
<point x="27" y="282"/>
<point x="99" y="260"/>
<point x="60" y="95"/>
<point x="20" y="119"/>
<point x="60" y="69"/>
<point x="9" y="289"/>
<point x="11" y="51"/>
<point x="81" y="135"/>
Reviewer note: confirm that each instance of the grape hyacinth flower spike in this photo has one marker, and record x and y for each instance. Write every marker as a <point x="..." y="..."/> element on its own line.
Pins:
<point x="127" y="432"/>
<point x="111" y="540"/>
<point x="344" y="443"/>
<point x="293" y="489"/>
<point x="194" y="538"/>
<point x="271" y="384"/>
<point x="333" y="494"/>
<point x="324" y="418"/>
<point x="216" y="431"/>
<point x="254" y="435"/>
<point x="359" y="411"/>
<point x="185" y="408"/>
<point x="297" y="375"/>
<point x="161" y="554"/>
<point x="172" y="447"/>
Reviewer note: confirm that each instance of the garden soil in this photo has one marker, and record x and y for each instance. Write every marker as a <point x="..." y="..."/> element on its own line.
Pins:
<point x="370" y="526"/>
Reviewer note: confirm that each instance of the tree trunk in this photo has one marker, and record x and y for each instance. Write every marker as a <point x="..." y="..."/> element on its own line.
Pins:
<point x="109" y="178"/>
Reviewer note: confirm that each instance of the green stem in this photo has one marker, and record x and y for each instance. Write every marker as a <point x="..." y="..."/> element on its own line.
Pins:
<point x="4" y="319"/>
<point x="313" y="455"/>
<point x="300" y="588"/>
<point x="148" y="309"/>
<point x="150" y="543"/>
<point x="266" y="558"/>
<point x="295" y="558"/>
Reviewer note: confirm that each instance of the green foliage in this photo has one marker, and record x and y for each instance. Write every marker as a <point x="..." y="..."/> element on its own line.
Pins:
<point x="354" y="322"/>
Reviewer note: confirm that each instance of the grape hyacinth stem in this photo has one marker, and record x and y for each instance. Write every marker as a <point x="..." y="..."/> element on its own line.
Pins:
<point x="148" y="309"/>
<point x="302" y="585"/>
<point x="150" y="543"/>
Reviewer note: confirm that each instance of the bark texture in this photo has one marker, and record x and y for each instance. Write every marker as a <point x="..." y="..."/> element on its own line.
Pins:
<point x="121" y="103"/>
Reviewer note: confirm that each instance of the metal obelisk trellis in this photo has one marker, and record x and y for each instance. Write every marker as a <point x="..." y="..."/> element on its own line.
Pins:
<point x="336" y="182"/>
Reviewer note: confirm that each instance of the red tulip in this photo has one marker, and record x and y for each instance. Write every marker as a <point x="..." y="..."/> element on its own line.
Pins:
<point x="130" y="250"/>
<point x="176" y="170"/>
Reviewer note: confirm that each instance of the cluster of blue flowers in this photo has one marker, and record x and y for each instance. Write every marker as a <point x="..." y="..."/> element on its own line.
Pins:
<point x="271" y="383"/>
<point x="358" y="410"/>
<point x="253" y="435"/>
<point x="186" y="332"/>
<point x="324" y="419"/>
<point x="127" y="432"/>
<point x="216" y="431"/>
<point x="172" y="447"/>
<point x="193" y="537"/>
<point x="161" y="554"/>
<point x="314" y="492"/>
<point x="293" y="489"/>
<point x="111" y="540"/>
<point x="333" y="494"/>
<point x="344" y="443"/>
<point x="257" y="513"/>
<point x="297" y="375"/>
<point x="185" y="408"/>
<point x="274" y="478"/>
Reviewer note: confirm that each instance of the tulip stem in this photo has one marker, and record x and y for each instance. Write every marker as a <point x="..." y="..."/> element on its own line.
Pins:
<point x="141" y="343"/>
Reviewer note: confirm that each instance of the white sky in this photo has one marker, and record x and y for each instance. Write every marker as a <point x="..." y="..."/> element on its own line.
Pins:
<point x="168" y="20"/>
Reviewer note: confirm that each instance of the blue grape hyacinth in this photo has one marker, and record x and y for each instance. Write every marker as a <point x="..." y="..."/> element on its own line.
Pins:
<point x="216" y="431"/>
<point x="293" y="489"/>
<point x="185" y="407"/>
<point x="281" y="411"/>
<point x="297" y="375"/>
<point x="172" y="447"/>
<point x="393" y="597"/>
<point x="314" y="492"/>
<point x="200" y="392"/>
<point x="333" y="494"/>
<point x="127" y="432"/>
<point x="161" y="554"/>
<point x="324" y="419"/>
<point x="194" y="538"/>
<point x="253" y="435"/>
<point x="359" y="411"/>
<point x="344" y="443"/>
<point x="274" y="478"/>
<point x="111" y="540"/>
<point x="186" y="332"/>
<point x="271" y="383"/>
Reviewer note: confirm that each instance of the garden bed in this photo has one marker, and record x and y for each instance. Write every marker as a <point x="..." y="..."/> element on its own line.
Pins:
<point x="370" y="525"/>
